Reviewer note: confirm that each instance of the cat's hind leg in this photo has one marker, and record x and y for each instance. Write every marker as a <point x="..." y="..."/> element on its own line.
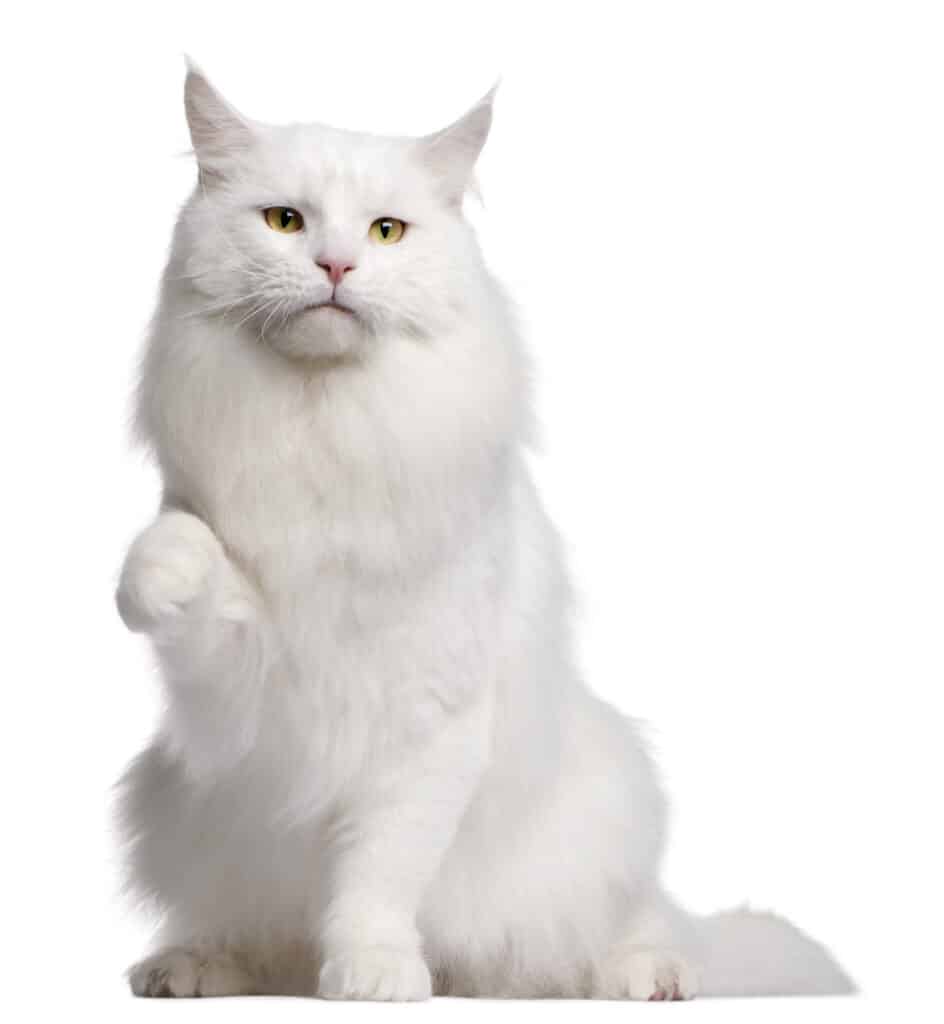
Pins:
<point x="649" y="960"/>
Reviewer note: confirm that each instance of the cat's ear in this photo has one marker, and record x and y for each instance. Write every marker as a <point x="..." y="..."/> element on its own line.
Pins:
<point x="450" y="154"/>
<point x="218" y="131"/>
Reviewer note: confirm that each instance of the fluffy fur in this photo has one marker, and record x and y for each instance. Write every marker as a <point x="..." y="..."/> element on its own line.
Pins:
<point x="379" y="775"/>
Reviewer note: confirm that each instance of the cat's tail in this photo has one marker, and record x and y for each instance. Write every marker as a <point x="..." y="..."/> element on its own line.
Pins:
<point x="746" y="953"/>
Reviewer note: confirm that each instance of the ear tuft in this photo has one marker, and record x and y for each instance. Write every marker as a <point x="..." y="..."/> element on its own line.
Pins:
<point x="452" y="152"/>
<point x="218" y="131"/>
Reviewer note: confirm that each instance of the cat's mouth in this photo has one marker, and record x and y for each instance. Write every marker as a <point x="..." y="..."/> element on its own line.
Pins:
<point x="332" y="304"/>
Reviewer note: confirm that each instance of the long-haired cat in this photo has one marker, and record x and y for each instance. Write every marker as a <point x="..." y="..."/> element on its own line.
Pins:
<point x="379" y="775"/>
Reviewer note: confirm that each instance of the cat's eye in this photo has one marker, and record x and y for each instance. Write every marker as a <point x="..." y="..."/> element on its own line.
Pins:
<point x="284" y="219"/>
<point x="387" y="230"/>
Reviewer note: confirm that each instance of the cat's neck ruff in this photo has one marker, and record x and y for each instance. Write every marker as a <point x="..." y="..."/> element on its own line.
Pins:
<point x="379" y="459"/>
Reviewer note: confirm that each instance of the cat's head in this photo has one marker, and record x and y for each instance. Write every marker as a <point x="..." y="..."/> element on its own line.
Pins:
<point x="320" y="240"/>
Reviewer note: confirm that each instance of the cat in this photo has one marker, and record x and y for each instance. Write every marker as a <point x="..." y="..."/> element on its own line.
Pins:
<point x="379" y="775"/>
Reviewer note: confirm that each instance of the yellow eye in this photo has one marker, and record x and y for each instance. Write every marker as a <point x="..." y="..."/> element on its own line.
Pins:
<point x="387" y="230"/>
<point x="284" y="219"/>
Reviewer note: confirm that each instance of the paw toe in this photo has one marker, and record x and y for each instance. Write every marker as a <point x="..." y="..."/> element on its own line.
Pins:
<point x="649" y="975"/>
<point x="379" y="975"/>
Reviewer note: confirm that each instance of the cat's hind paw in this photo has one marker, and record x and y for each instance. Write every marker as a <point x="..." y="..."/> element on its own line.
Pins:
<point x="649" y="975"/>
<point x="183" y="973"/>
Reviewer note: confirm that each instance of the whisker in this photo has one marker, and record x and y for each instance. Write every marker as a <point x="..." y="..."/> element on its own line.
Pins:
<point x="275" y="308"/>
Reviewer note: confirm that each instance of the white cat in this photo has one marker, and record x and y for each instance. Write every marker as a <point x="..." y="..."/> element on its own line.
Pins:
<point x="379" y="775"/>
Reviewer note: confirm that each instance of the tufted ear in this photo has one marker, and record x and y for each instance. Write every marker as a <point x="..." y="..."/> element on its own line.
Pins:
<point x="218" y="131"/>
<point x="450" y="154"/>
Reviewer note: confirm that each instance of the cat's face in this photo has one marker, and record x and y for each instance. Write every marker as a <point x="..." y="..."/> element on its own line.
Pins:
<point x="320" y="240"/>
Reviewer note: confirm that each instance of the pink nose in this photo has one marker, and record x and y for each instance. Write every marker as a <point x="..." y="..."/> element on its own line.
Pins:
<point x="335" y="271"/>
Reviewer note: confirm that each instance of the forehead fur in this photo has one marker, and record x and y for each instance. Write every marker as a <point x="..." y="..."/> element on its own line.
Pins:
<point x="319" y="166"/>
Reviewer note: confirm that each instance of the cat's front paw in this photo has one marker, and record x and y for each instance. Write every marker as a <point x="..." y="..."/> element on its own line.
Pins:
<point x="383" y="975"/>
<point x="168" y="569"/>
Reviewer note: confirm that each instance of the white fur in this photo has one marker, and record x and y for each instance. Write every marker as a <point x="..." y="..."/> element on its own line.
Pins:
<point x="379" y="774"/>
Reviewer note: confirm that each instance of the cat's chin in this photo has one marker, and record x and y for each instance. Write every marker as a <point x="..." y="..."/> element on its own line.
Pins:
<point x="320" y="332"/>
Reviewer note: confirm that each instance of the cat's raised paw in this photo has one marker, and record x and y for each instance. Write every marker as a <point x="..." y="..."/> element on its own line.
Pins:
<point x="183" y="973"/>
<point x="383" y="975"/>
<point x="167" y="569"/>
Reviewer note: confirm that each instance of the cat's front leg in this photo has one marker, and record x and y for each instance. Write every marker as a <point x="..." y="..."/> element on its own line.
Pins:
<point x="176" y="573"/>
<point x="388" y="843"/>
<point x="214" y="645"/>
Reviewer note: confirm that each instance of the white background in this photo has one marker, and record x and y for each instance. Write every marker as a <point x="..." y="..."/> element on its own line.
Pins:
<point x="724" y="225"/>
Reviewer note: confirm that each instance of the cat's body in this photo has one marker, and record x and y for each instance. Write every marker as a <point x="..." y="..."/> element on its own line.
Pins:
<point x="379" y="772"/>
